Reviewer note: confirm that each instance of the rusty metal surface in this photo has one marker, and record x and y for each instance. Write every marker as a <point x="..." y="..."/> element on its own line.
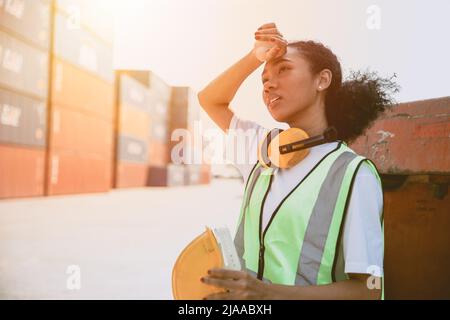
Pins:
<point x="417" y="239"/>
<point x="414" y="138"/>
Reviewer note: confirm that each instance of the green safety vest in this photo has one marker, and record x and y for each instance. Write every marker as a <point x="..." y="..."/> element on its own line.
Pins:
<point x="302" y="243"/>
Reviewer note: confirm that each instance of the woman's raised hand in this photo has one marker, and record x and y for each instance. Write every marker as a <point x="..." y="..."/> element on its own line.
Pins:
<point x="269" y="43"/>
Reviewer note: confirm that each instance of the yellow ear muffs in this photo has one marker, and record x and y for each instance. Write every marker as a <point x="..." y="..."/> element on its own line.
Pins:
<point x="286" y="148"/>
<point x="202" y="254"/>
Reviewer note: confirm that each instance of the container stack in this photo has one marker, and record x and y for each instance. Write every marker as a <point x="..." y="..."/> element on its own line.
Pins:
<point x="410" y="146"/>
<point x="24" y="72"/>
<point x="159" y="149"/>
<point x="133" y="132"/>
<point x="80" y="151"/>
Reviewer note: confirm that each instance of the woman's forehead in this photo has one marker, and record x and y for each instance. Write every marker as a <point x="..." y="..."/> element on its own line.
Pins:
<point x="291" y="55"/>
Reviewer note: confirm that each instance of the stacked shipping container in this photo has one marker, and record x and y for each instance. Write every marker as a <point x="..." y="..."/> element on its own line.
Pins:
<point x="57" y="115"/>
<point x="410" y="146"/>
<point x="133" y="132"/>
<point x="24" y="65"/>
<point x="82" y="100"/>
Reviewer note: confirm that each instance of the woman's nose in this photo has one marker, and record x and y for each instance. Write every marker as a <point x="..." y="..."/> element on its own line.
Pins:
<point x="269" y="84"/>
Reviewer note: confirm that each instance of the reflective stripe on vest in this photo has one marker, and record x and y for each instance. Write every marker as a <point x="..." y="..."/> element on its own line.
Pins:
<point x="301" y="243"/>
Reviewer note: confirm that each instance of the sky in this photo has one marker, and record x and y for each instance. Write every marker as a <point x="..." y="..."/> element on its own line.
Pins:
<point x="189" y="43"/>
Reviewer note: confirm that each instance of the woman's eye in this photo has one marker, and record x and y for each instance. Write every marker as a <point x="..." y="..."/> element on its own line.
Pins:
<point x="282" y="69"/>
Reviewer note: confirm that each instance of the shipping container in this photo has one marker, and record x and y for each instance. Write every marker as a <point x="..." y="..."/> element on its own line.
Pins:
<point x="159" y="109"/>
<point x="133" y="94"/>
<point x="95" y="15"/>
<point x="23" y="67"/>
<point x="79" y="47"/>
<point x="29" y="19"/>
<point x="417" y="224"/>
<point x="134" y="122"/>
<point x="73" y="173"/>
<point x="179" y="108"/>
<point x="175" y="175"/>
<point x="73" y="88"/>
<point x="131" y="149"/>
<point x="158" y="154"/>
<point x="157" y="176"/>
<point x="413" y="138"/>
<point x="86" y="134"/>
<point x="205" y="174"/>
<point x="22" y="120"/>
<point x="21" y="172"/>
<point x="159" y="89"/>
<point x="159" y="131"/>
<point x="131" y="175"/>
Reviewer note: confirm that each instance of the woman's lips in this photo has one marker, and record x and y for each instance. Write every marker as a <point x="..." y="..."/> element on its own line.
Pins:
<point x="274" y="102"/>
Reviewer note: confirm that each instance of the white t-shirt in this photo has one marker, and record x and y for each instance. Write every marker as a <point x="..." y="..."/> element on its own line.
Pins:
<point x="362" y="233"/>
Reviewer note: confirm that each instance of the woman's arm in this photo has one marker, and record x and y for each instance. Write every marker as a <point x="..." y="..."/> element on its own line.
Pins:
<point x="243" y="286"/>
<point x="215" y="98"/>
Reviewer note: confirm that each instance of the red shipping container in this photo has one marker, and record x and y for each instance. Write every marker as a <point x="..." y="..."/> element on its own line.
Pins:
<point x="417" y="224"/>
<point x="21" y="172"/>
<point x="76" y="89"/>
<point x="205" y="174"/>
<point x="84" y="133"/>
<point x="158" y="153"/>
<point x="413" y="138"/>
<point x="72" y="173"/>
<point x="131" y="175"/>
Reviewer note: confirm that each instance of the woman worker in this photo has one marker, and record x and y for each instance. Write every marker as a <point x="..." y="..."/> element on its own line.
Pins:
<point x="312" y="230"/>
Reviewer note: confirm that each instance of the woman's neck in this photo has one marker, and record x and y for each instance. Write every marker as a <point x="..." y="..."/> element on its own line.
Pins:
<point x="312" y="120"/>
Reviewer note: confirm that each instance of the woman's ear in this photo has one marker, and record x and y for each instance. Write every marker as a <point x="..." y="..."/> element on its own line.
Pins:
<point x="324" y="79"/>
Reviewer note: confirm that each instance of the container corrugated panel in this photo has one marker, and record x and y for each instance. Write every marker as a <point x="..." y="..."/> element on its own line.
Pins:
<point x="159" y="88"/>
<point x="134" y="94"/>
<point x="97" y="15"/>
<point x="158" y="154"/>
<point x="131" y="175"/>
<point x="23" y="67"/>
<point x="134" y="122"/>
<point x="159" y="131"/>
<point x="73" y="173"/>
<point x="84" y="133"/>
<point x="27" y="18"/>
<point x="79" y="47"/>
<point x="22" y="120"/>
<point x="413" y="138"/>
<point x="417" y="224"/>
<point x="21" y="172"/>
<point x="157" y="176"/>
<point x="73" y="88"/>
<point x="175" y="175"/>
<point x="132" y="149"/>
<point x="159" y="109"/>
<point x="179" y="108"/>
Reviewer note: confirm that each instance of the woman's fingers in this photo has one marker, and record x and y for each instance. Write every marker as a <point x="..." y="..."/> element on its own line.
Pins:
<point x="272" y="38"/>
<point x="267" y="25"/>
<point x="273" y="52"/>
<point x="268" y="31"/>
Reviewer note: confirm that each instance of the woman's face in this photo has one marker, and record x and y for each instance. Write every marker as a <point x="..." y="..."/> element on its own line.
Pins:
<point x="289" y="86"/>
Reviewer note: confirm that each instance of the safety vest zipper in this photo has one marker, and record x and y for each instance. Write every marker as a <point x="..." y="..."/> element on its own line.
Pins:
<point x="262" y="234"/>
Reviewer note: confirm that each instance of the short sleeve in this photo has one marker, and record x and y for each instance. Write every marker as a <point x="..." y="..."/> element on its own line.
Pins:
<point x="242" y="140"/>
<point x="363" y="235"/>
